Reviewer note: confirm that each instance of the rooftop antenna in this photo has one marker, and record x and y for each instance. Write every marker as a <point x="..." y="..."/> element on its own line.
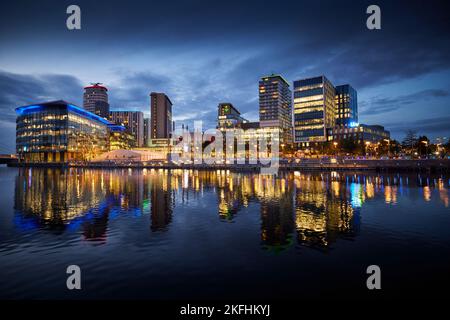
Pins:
<point x="96" y="83"/>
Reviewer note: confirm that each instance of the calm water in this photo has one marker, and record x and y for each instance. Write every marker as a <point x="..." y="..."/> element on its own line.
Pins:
<point x="187" y="234"/>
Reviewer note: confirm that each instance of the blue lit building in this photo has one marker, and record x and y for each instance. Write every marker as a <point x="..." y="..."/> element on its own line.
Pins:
<point x="60" y="132"/>
<point x="346" y="106"/>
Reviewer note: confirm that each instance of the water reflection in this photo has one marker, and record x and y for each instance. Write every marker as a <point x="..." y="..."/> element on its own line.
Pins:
<point x="313" y="210"/>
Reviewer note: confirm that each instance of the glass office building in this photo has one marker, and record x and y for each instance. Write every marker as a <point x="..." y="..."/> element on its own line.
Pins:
<point x="314" y="109"/>
<point x="59" y="132"/>
<point x="346" y="106"/>
<point x="275" y="106"/>
<point x="228" y="116"/>
<point x="361" y="133"/>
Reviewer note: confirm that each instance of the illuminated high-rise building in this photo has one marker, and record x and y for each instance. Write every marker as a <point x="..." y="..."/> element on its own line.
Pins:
<point x="346" y="106"/>
<point x="314" y="109"/>
<point x="161" y="116"/>
<point x="133" y="121"/>
<point x="95" y="100"/>
<point x="275" y="106"/>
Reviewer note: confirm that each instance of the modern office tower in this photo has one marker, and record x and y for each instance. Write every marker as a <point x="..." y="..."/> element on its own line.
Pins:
<point x="346" y="106"/>
<point x="228" y="116"/>
<point x="314" y="109"/>
<point x="95" y="100"/>
<point x="275" y="106"/>
<point x="133" y="121"/>
<point x="161" y="116"/>
<point x="58" y="131"/>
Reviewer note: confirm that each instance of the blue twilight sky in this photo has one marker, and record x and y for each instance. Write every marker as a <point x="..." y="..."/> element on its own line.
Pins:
<point x="204" y="52"/>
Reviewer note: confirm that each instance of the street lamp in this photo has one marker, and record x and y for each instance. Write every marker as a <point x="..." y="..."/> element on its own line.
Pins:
<point x="335" y="147"/>
<point x="367" y="147"/>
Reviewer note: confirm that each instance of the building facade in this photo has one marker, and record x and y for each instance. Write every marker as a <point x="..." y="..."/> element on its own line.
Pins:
<point x="346" y="106"/>
<point x="59" y="132"/>
<point x="275" y="106"/>
<point x="147" y="126"/>
<point x="161" y="116"/>
<point x="95" y="100"/>
<point x="133" y="121"/>
<point x="228" y="116"/>
<point x="361" y="133"/>
<point x="120" y="138"/>
<point x="314" y="109"/>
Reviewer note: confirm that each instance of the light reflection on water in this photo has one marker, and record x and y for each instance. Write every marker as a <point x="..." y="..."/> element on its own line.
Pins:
<point x="151" y="216"/>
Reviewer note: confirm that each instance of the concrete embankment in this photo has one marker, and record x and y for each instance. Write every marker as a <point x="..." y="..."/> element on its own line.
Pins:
<point x="432" y="165"/>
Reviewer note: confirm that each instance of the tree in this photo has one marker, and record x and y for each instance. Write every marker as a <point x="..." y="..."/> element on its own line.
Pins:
<point x="422" y="145"/>
<point x="410" y="140"/>
<point x="349" y="145"/>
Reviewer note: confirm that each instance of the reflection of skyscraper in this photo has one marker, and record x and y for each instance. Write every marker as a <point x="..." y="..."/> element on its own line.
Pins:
<point x="322" y="216"/>
<point x="161" y="203"/>
<point x="277" y="216"/>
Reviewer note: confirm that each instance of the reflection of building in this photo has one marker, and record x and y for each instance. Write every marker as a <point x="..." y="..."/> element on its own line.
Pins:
<point x="275" y="106"/>
<point x="161" y="203"/>
<point x="346" y="106"/>
<point x="277" y="216"/>
<point x="133" y="121"/>
<point x="324" y="212"/>
<point x="314" y="109"/>
<point x="161" y="116"/>
<point x="89" y="199"/>
<point x="56" y="198"/>
<point x="58" y="131"/>
<point x="95" y="100"/>
<point x="228" y="116"/>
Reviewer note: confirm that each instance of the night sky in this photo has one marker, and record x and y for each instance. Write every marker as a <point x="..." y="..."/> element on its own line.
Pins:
<point x="204" y="52"/>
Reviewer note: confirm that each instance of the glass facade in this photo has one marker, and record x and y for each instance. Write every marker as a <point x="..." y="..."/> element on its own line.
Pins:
<point x="314" y="109"/>
<point x="133" y="121"/>
<point x="275" y="105"/>
<point x="361" y="133"/>
<point x="59" y="132"/>
<point x="346" y="106"/>
<point x="228" y="116"/>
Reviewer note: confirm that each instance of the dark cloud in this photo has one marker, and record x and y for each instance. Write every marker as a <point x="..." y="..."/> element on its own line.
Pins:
<point x="437" y="126"/>
<point x="18" y="90"/>
<point x="383" y="105"/>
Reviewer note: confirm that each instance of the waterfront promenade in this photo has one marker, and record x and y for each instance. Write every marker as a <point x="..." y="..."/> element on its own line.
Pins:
<point x="300" y="164"/>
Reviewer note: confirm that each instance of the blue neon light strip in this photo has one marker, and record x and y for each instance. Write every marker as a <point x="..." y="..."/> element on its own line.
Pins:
<point x="87" y="114"/>
<point x="28" y="109"/>
<point x="116" y="127"/>
<point x="37" y="108"/>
